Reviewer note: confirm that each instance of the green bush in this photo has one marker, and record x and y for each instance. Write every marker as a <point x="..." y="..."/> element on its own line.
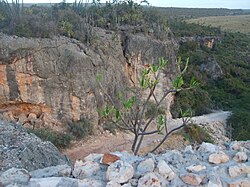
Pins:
<point x="195" y="133"/>
<point x="81" y="128"/>
<point x="60" y="140"/>
<point x="110" y="126"/>
<point x="196" y="99"/>
<point x="151" y="108"/>
<point x="240" y="123"/>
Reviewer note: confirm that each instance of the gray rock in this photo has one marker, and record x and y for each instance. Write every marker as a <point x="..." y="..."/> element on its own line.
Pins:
<point x="53" y="171"/>
<point x="237" y="170"/>
<point x="191" y="179"/>
<point x="22" y="150"/>
<point x="240" y="157"/>
<point x="164" y="170"/>
<point x="86" y="170"/>
<point x="93" y="157"/>
<point x="15" y="176"/>
<point x="53" y="182"/>
<point x="145" y="166"/>
<point x="188" y="149"/>
<point x="218" y="158"/>
<point x="90" y="183"/>
<point x="195" y="168"/>
<point x="120" y="172"/>
<point x="149" y="180"/>
<point x="113" y="184"/>
<point x="208" y="148"/>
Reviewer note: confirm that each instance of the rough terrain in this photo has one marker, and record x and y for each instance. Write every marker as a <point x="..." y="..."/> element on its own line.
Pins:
<point x="48" y="82"/>
<point x="208" y="165"/>
<point x="107" y="142"/>
<point x="22" y="150"/>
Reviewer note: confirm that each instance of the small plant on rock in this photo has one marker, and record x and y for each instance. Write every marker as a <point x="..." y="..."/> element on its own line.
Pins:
<point x="130" y="112"/>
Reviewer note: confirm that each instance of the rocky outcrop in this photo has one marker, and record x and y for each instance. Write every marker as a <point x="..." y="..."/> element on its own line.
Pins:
<point x="22" y="150"/>
<point x="191" y="167"/>
<point x="205" y="41"/>
<point x="212" y="68"/>
<point x="49" y="81"/>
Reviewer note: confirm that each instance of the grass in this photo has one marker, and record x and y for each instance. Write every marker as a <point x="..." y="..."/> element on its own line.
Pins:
<point x="239" y="23"/>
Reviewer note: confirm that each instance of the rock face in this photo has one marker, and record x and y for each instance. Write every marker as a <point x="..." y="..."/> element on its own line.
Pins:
<point x="173" y="168"/>
<point x="52" y="81"/>
<point x="22" y="150"/>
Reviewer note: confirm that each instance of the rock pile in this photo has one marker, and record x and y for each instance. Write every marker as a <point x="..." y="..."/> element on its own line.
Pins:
<point x="208" y="165"/>
<point x="20" y="149"/>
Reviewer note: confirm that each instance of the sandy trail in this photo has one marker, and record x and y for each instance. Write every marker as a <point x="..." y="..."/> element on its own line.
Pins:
<point x="107" y="142"/>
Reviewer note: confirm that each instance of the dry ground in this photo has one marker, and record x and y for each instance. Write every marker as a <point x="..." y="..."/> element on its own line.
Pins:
<point x="107" y="142"/>
<point x="239" y="23"/>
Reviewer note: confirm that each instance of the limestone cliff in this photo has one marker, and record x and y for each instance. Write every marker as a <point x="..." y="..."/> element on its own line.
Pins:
<point x="51" y="81"/>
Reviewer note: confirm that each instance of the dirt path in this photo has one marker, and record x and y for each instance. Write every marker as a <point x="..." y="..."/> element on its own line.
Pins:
<point x="108" y="142"/>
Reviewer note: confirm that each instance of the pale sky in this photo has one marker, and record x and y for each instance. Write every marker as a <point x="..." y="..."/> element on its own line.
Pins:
<point x="232" y="4"/>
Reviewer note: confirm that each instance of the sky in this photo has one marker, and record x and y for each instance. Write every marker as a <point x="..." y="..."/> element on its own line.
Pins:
<point x="232" y="4"/>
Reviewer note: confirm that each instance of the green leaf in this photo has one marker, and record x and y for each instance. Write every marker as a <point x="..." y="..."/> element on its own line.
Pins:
<point x="117" y="114"/>
<point x="194" y="82"/>
<point x="146" y="71"/>
<point x="179" y="61"/>
<point x="186" y="66"/>
<point x="160" y="123"/>
<point x="155" y="68"/>
<point x="186" y="113"/>
<point x="98" y="77"/>
<point x="163" y="63"/>
<point x="129" y="103"/>
<point x="178" y="82"/>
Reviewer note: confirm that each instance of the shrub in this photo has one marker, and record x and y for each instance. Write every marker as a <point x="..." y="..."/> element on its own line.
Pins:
<point x="195" y="133"/>
<point x="81" y="128"/>
<point x="111" y="127"/>
<point x="60" y="140"/>
<point x="151" y="108"/>
<point x="197" y="99"/>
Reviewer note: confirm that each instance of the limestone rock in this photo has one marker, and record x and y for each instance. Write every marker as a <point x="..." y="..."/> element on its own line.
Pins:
<point x="93" y="157"/>
<point x="191" y="179"/>
<point x="149" y="180"/>
<point x="243" y="182"/>
<point x="54" y="78"/>
<point x="53" y="171"/>
<point x="208" y="148"/>
<point x="127" y="185"/>
<point x="212" y="184"/>
<point x="164" y="170"/>
<point x="113" y="184"/>
<point x="120" y="172"/>
<point x="23" y="150"/>
<point x="145" y="166"/>
<point x="242" y="146"/>
<point x="188" y="149"/>
<point x="218" y="158"/>
<point x="195" y="168"/>
<point x="85" y="169"/>
<point x="53" y="182"/>
<point x="90" y="183"/>
<point x="108" y="159"/>
<point x="14" y="175"/>
<point x="240" y="157"/>
<point x="235" y="171"/>
<point x="32" y="117"/>
<point x="22" y="119"/>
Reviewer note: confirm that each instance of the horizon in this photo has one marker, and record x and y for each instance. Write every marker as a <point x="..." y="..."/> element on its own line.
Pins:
<point x="228" y="4"/>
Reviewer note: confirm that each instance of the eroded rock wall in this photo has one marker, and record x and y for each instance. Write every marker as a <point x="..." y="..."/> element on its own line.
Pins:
<point x="53" y="81"/>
